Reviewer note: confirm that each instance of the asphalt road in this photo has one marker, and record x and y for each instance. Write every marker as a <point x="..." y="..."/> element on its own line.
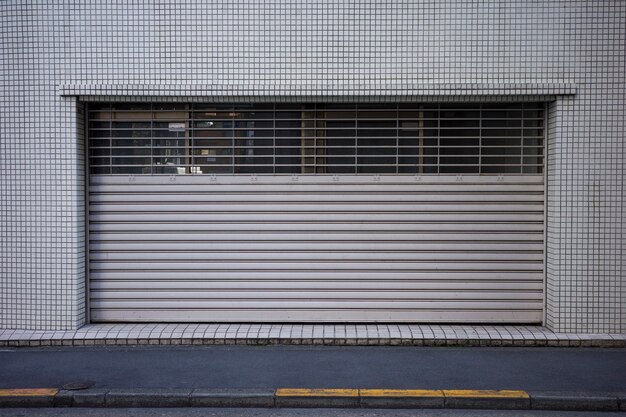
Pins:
<point x="551" y="369"/>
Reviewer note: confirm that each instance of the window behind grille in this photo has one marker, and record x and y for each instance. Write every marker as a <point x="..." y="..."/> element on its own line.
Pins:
<point x="199" y="138"/>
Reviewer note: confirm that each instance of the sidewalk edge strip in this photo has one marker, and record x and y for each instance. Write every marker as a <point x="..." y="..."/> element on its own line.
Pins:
<point x="320" y="398"/>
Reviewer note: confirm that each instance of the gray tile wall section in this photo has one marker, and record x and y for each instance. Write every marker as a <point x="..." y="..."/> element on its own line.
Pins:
<point x="337" y="50"/>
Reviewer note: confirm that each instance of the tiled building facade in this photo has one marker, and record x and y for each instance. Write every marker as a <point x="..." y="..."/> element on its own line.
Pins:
<point x="55" y="55"/>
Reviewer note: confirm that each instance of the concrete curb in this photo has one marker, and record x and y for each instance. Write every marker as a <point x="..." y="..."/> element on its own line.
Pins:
<point x="261" y="398"/>
<point x="154" y="398"/>
<point x="307" y="398"/>
<point x="577" y="401"/>
<point x="316" y="398"/>
<point x="476" y="401"/>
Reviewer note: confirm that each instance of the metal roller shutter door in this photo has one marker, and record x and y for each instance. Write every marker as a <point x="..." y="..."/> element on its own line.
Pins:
<point x="316" y="248"/>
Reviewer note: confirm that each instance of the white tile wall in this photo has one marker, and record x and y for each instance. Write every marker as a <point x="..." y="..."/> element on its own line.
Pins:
<point x="304" y="48"/>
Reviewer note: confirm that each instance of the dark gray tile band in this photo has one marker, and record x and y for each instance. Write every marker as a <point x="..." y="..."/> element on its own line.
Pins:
<point x="600" y="343"/>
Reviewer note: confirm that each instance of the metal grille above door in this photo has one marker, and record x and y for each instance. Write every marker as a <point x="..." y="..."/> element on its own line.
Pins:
<point x="184" y="241"/>
<point x="175" y="138"/>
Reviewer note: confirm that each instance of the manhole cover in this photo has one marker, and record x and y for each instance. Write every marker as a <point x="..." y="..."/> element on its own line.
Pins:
<point x="78" y="385"/>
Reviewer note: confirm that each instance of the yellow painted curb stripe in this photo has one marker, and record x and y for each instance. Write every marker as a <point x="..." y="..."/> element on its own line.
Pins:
<point x="400" y="393"/>
<point x="467" y="393"/>
<point x="322" y="392"/>
<point x="29" y="392"/>
<point x="306" y="392"/>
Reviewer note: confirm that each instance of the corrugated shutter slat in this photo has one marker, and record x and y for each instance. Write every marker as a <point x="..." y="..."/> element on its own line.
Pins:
<point x="200" y="248"/>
